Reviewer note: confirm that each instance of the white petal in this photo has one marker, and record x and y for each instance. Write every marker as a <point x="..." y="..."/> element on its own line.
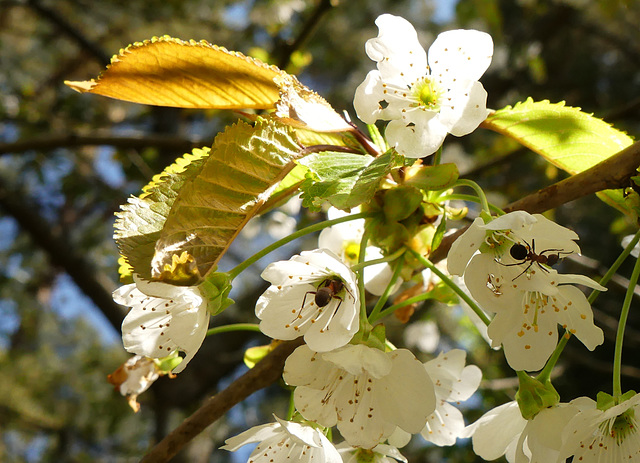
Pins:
<point x="463" y="53"/>
<point x="400" y="57"/>
<point x="444" y="426"/>
<point x="466" y="110"/>
<point x="580" y="280"/>
<point x="465" y="247"/>
<point x="420" y="140"/>
<point x="367" y="99"/>
<point x="574" y="313"/>
<point x="255" y="434"/>
<point x="529" y="349"/>
<point x="358" y="359"/>
<point x="496" y="430"/>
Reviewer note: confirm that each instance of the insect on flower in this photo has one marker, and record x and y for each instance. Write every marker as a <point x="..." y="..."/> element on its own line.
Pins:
<point x="528" y="254"/>
<point x="327" y="290"/>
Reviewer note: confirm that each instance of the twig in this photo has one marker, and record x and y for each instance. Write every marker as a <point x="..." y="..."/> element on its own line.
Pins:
<point x="267" y="371"/>
<point x="67" y="141"/>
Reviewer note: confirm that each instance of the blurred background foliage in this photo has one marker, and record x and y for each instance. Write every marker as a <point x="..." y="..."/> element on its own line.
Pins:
<point x="67" y="161"/>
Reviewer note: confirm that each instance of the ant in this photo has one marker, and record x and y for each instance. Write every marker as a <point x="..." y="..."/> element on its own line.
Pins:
<point x="326" y="291"/>
<point x="528" y="254"/>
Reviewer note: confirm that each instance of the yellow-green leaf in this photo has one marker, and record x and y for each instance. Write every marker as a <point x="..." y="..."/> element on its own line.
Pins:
<point x="212" y="207"/>
<point x="165" y="71"/>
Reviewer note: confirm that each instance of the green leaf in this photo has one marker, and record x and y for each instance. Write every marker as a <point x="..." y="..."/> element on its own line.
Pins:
<point x="566" y="137"/>
<point x="212" y="207"/>
<point x="345" y="180"/>
<point x="140" y="222"/>
<point x="165" y="71"/>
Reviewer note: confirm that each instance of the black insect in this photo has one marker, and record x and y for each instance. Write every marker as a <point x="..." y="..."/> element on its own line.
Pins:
<point x="527" y="253"/>
<point x="326" y="291"/>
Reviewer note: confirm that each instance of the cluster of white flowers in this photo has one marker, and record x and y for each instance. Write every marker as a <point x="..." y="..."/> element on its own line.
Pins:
<point x="345" y="376"/>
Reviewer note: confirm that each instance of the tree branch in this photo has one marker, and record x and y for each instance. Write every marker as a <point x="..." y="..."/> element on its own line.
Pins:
<point x="267" y="371"/>
<point x="67" y="141"/>
<point x="95" y="284"/>
<point x="612" y="173"/>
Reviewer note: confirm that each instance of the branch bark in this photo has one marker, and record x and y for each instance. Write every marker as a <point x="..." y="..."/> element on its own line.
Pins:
<point x="612" y="173"/>
<point x="72" y="140"/>
<point x="267" y="371"/>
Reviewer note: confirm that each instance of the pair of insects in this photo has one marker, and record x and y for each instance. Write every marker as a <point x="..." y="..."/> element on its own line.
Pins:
<point x="527" y="253"/>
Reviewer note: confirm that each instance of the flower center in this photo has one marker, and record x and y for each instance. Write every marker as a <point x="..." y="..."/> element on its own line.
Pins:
<point x="428" y="93"/>
<point x="351" y="251"/>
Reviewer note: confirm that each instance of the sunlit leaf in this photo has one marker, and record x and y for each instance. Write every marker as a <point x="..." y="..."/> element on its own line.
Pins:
<point x="165" y="71"/>
<point x="138" y="225"/>
<point x="566" y="137"/>
<point x="213" y="206"/>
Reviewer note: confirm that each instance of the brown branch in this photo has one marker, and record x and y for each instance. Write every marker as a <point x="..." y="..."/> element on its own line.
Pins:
<point x="267" y="371"/>
<point x="70" y="31"/>
<point x="71" y="140"/>
<point x="96" y="285"/>
<point x="309" y="27"/>
<point x="612" y="173"/>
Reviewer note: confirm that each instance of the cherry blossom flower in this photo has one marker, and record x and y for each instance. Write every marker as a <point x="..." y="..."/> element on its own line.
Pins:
<point x="381" y="453"/>
<point x="424" y="98"/>
<point x="367" y="393"/>
<point x="344" y="239"/>
<point x="598" y="436"/>
<point x="503" y="431"/>
<point x="134" y="377"/>
<point x="291" y="307"/>
<point x="453" y="383"/>
<point x="285" y="441"/>
<point x="163" y="319"/>
<point x="528" y="297"/>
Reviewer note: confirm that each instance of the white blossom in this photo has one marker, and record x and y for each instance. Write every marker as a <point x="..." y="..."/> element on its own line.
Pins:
<point x="528" y="297"/>
<point x="454" y="382"/>
<point x="599" y="436"/>
<point x="503" y="431"/>
<point x="367" y="393"/>
<point x="424" y="98"/>
<point x="291" y="307"/>
<point x="285" y="441"/>
<point x="163" y="319"/>
<point x="134" y="377"/>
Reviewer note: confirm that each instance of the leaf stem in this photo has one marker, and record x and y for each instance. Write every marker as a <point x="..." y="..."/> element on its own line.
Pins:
<point x="383" y="299"/>
<point x="446" y="280"/>
<point x="234" y="327"/>
<point x="305" y="231"/>
<point x="495" y="209"/>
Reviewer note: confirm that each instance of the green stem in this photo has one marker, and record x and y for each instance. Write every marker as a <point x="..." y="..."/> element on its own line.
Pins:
<point x="383" y="299"/>
<point x="361" y="254"/>
<point x="437" y="156"/>
<point x="393" y="308"/>
<point x="495" y="209"/>
<point x="305" y="231"/>
<point x="291" y="410"/>
<point x="622" y="323"/>
<point x="477" y="189"/>
<point x="614" y="267"/>
<point x="545" y="374"/>
<point x="446" y="280"/>
<point x="234" y="327"/>
<point x="382" y="260"/>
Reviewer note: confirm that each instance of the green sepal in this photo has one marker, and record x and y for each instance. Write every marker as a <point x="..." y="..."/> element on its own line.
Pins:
<point x="439" y="233"/>
<point x="167" y="364"/>
<point x="216" y="290"/>
<point x="606" y="401"/>
<point x="533" y="396"/>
